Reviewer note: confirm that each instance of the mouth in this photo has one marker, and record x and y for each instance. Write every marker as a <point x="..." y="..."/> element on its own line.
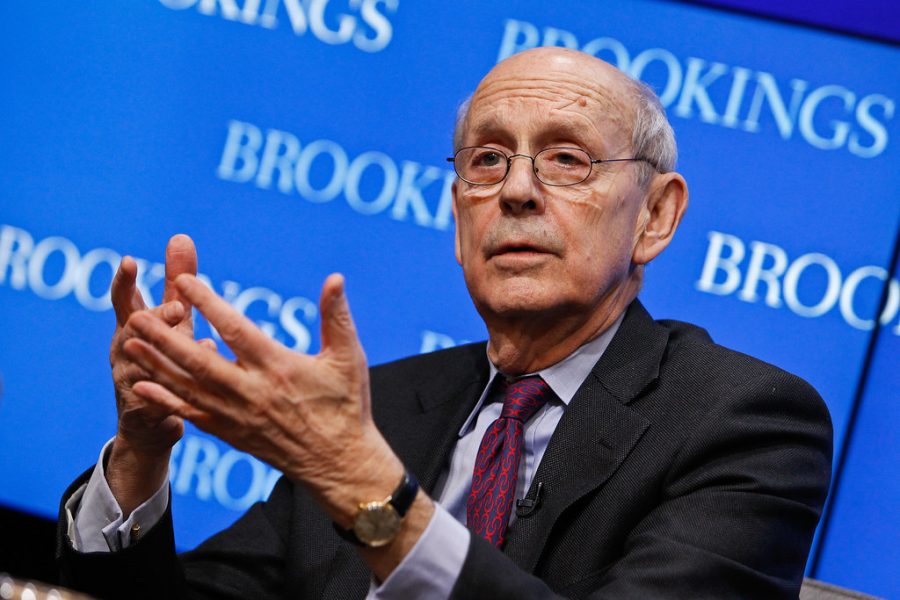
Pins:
<point x="516" y="247"/>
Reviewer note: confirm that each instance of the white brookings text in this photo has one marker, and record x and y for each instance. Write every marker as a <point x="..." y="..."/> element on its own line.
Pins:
<point x="209" y="470"/>
<point x="827" y="117"/>
<point x="771" y="276"/>
<point x="359" y="22"/>
<point x="54" y="268"/>
<point x="321" y="170"/>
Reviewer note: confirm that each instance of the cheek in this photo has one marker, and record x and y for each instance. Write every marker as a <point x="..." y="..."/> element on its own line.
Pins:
<point x="468" y="234"/>
<point x="589" y="220"/>
<point x="585" y="199"/>
<point x="601" y="234"/>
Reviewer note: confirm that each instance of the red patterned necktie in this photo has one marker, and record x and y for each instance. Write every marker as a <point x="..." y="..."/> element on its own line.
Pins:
<point x="497" y="465"/>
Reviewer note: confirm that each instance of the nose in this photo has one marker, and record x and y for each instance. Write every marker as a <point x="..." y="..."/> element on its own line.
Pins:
<point x="521" y="193"/>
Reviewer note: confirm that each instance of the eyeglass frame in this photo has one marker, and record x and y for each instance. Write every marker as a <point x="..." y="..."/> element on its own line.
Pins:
<point x="593" y="161"/>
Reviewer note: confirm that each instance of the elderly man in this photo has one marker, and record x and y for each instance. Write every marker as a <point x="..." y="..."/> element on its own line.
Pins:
<point x="586" y="451"/>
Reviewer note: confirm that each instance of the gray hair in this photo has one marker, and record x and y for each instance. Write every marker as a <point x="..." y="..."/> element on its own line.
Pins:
<point x="462" y="112"/>
<point x="652" y="137"/>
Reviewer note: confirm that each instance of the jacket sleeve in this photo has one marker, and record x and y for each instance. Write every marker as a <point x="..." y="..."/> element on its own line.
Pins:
<point x="244" y="561"/>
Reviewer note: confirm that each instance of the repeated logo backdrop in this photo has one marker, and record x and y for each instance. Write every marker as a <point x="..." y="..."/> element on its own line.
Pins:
<point x="294" y="138"/>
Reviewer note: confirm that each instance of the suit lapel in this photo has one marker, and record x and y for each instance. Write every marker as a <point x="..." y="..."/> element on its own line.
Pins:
<point x="596" y="433"/>
<point x="423" y="428"/>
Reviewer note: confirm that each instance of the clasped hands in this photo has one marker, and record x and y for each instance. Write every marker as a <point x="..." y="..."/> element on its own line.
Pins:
<point x="308" y="416"/>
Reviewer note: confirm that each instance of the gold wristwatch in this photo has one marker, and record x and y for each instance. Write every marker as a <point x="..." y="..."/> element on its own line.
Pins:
<point x="377" y="523"/>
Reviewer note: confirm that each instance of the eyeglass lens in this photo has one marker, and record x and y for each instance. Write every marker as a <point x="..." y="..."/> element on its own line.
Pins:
<point x="553" y="166"/>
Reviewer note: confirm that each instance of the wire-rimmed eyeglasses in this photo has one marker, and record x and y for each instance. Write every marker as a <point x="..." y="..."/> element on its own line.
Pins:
<point x="481" y="165"/>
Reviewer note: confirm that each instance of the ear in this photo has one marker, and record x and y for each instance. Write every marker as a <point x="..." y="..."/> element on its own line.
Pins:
<point x="667" y="199"/>
<point x="457" y="245"/>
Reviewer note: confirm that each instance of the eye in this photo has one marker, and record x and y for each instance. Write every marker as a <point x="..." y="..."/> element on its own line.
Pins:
<point x="566" y="158"/>
<point x="486" y="157"/>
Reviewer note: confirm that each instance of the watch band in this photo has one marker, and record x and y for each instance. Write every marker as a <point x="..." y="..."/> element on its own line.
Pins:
<point x="401" y="499"/>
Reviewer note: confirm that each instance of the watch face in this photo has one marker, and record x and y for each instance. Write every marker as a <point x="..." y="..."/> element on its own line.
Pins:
<point x="376" y="524"/>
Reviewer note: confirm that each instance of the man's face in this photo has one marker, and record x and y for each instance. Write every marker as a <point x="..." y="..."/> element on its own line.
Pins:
<point x="530" y="249"/>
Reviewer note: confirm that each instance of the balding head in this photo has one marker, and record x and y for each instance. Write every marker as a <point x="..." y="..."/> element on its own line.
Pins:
<point x="551" y="265"/>
<point x="629" y="103"/>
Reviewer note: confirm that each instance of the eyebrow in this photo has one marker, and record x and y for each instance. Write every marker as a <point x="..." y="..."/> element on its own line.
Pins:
<point x="558" y="132"/>
<point x="488" y="129"/>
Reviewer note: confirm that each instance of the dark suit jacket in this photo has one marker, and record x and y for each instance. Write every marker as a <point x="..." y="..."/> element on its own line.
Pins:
<point x="679" y="470"/>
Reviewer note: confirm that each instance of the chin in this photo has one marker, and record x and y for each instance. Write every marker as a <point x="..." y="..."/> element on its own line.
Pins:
<point x="515" y="301"/>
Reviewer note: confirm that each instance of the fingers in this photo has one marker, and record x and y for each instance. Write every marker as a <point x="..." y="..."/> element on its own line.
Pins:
<point x="176" y="361"/>
<point x="167" y="402"/>
<point x="338" y="330"/>
<point x="171" y="313"/>
<point x="158" y="366"/>
<point x="124" y="293"/>
<point x="241" y="335"/>
<point x="169" y="387"/>
<point x="181" y="257"/>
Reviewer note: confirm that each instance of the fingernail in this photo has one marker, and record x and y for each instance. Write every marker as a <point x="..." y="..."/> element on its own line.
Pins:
<point x="342" y="284"/>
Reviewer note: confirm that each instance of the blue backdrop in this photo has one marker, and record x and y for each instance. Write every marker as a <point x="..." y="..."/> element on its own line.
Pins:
<point x="294" y="138"/>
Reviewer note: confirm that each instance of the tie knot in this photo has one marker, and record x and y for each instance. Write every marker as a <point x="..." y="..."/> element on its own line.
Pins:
<point x="523" y="397"/>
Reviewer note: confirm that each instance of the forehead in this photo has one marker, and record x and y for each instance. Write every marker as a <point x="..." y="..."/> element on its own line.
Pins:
<point x="550" y="99"/>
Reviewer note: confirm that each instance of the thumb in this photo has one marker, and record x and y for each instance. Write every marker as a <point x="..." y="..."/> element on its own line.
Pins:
<point x="181" y="257"/>
<point x="338" y="330"/>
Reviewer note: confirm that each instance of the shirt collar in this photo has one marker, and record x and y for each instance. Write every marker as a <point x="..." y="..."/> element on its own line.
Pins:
<point x="564" y="377"/>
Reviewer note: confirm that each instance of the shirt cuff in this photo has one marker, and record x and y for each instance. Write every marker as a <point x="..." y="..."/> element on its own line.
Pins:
<point x="98" y="524"/>
<point x="431" y="568"/>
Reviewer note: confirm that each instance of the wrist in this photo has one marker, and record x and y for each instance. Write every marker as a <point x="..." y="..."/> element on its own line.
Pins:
<point x="373" y="483"/>
<point x="378" y="521"/>
<point x="383" y="560"/>
<point x="133" y="475"/>
<point x="366" y="469"/>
